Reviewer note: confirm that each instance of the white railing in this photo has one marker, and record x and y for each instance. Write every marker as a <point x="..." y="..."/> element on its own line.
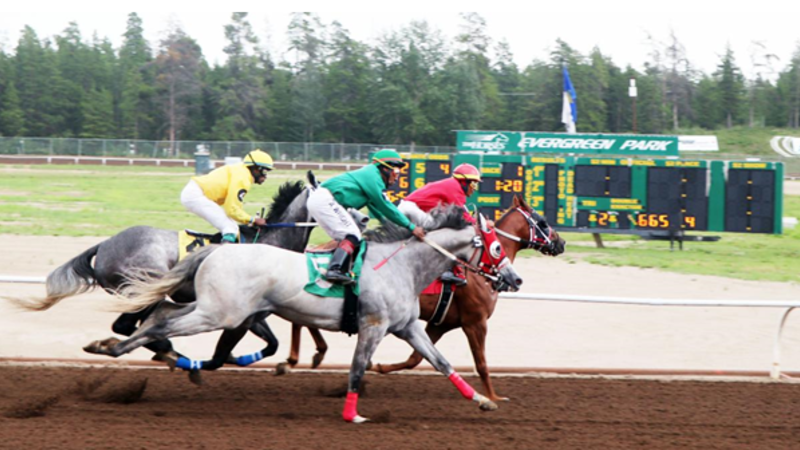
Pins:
<point x="775" y="372"/>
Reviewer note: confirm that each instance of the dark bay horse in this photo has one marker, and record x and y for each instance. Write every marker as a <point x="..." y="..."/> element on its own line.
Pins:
<point x="519" y="228"/>
<point x="149" y="250"/>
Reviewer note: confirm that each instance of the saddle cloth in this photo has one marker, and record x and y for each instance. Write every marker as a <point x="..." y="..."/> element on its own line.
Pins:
<point x="317" y="268"/>
<point x="189" y="240"/>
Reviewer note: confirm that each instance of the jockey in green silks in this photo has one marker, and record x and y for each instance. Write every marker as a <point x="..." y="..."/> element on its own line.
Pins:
<point x="366" y="186"/>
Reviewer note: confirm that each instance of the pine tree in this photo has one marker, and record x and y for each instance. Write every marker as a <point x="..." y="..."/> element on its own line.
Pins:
<point x="12" y="119"/>
<point x="36" y="80"/>
<point x="730" y="83"/>
<point x="241" y="93"/>
<point x="134" y="92"/>
<point x="99" y="114"/>
<point x="178" y="79"/>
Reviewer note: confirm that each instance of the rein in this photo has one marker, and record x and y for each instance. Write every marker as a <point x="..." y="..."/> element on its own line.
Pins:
<point x="290" y="225"/>
<point x="458" y="261"/>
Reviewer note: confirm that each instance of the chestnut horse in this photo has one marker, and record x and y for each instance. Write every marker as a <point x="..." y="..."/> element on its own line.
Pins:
<point x="519" y="228"/>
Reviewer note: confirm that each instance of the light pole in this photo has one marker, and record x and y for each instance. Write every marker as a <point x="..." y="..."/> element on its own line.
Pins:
<point x="632" y="91"/>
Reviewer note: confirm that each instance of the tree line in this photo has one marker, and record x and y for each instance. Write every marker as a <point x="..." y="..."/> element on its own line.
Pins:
<point x="411" y="86"/>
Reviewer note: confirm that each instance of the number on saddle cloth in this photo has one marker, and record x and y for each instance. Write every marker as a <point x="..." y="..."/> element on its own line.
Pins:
<point x="317" y="263"/>
<point x="318" y="285"/>
<point x="189" y="241"/>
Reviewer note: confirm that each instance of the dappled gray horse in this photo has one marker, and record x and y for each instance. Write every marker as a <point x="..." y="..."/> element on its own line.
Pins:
<point x="234" y="282"/>
<point x="154" y="251"/>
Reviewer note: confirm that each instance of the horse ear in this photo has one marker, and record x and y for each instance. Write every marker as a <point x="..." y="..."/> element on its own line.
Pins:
<point x="482" y="222"/>
<point x="516" y="202"/>
<point x="312" y="179"/>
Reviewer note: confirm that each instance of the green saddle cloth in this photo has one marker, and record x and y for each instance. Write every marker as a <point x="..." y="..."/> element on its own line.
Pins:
<point x="317" y="268"/>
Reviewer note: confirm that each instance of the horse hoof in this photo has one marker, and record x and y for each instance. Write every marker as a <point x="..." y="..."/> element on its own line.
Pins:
<point x="95" y="347"/>
<point x="282" y="369"/>
<point x="359" y="419"/>
<point x="196" y="377"/>
<point x="499" y="399"/>
<point x="488" y="405"/>
<point x="317" y="360"/>
<point x="171" y="359"/>
<point x="102" y="347"/>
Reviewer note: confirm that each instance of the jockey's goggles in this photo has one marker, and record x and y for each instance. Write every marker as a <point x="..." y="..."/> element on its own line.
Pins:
<point x="385" y="164"/>
<point x="474" y="184"/>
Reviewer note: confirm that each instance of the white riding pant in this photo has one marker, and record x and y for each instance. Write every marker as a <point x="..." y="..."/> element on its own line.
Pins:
<point x="194" y="200"/>
<point x="415" y="214"/>
<point x="331" y="216"/>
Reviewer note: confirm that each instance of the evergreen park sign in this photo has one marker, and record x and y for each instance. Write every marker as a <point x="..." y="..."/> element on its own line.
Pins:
<point x="532" y="142"/>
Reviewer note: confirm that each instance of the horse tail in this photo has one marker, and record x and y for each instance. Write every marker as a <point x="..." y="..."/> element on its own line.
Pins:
<point x="71" y="278"/>
<point x="142" y="289"/>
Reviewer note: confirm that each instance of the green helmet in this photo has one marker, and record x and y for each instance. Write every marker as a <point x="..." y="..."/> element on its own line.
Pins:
<point x="388" y="157"/>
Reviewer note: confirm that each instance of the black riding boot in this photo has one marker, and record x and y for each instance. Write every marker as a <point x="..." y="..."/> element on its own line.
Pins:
<point x="450" y="277"/>
<point x="339" y="268"/>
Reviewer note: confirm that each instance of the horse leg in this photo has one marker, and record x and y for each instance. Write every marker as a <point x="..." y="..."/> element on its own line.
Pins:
<point x="415" y="335"/>
<point x="294" y="352"/>
<point x="368" y="339"/>
<point x="434" y="332"/>
<point x="322" y="347"/>
<point x="476" y="335"/>
<point x="167" y="320"/>
<point x="126" y="326"/>
<point x="258" y="325"/>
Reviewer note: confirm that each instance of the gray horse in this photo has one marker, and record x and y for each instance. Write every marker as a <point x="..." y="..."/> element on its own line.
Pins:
<point x="154" y="251"/>
<point x="235" y="282"/>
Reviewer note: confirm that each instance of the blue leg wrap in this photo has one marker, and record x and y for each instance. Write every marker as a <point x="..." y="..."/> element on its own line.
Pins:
<point x="246" y="360"/>
<point x="188" y="364"/>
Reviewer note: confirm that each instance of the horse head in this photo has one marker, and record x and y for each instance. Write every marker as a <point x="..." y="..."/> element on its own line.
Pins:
<point x="493" y="258"/>
<point x="523" y="224"/>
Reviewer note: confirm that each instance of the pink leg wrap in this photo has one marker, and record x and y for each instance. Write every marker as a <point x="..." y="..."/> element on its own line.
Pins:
<point x="463" y="387"/>
<point x="350" y="407"/>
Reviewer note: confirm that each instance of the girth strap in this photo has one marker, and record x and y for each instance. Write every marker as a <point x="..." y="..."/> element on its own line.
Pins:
<point x="443" y="305"/>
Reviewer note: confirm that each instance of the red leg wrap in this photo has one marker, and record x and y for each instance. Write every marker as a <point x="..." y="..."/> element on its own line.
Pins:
<point x="463" y="387"/>
<point x="350" y="407"/>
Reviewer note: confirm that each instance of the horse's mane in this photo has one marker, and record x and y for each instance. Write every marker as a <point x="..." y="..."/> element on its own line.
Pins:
<point x="451" y="216"/>
<point x="287" y="192"/>
<point x="524" y="205"/>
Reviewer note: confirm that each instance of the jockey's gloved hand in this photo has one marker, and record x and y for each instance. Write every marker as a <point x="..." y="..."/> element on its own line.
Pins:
<point x="259" y="221"/>
<point x="418" y="232"/>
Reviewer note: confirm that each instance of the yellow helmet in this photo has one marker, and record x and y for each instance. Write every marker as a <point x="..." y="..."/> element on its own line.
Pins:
<point x="259" y="158"/>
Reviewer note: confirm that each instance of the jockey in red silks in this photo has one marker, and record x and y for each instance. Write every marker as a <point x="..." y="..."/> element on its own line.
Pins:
<point x="451" y="191"/>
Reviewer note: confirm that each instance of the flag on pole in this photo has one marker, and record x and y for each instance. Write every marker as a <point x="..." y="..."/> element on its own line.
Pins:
<point x="569" y="113"/>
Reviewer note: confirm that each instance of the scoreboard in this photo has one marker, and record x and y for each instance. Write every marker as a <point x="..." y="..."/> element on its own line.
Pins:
<point x="503" y="177"/>
<point x="626" y="195"/>
<point x="419" y="170"/>
<point x="647" y="195"/>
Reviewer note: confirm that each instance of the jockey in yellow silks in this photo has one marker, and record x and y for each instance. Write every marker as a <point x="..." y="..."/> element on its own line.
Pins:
<point x="218" y="196"/>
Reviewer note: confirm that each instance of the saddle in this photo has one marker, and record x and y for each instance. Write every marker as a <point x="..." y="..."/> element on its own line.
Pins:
<point x="318" y="260"/>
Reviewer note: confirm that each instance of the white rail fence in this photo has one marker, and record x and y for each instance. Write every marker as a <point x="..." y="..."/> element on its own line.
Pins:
<point x="775" y="371"/>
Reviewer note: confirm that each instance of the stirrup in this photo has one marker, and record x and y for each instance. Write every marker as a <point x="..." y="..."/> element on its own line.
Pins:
<point x="336" y="276"/>
<point x="450" y="277"/>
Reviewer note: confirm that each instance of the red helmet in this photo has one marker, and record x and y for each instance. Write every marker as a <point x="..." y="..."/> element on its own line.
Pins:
<point x="467" y="172"/>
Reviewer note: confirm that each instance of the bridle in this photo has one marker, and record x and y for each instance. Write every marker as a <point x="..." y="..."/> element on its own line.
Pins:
<point x="477" y="255"/>
<point x="533" y="242"/>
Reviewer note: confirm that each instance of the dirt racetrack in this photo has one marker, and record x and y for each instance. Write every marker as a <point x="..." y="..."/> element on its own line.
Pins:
<point x="76" y="408"/>
<point x="50" y="406"/>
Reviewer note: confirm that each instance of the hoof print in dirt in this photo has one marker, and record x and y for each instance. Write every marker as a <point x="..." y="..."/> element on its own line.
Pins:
<point x="36" y="408"/>
<point x="341" y="391"/>
<point x="127" y="394"/>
